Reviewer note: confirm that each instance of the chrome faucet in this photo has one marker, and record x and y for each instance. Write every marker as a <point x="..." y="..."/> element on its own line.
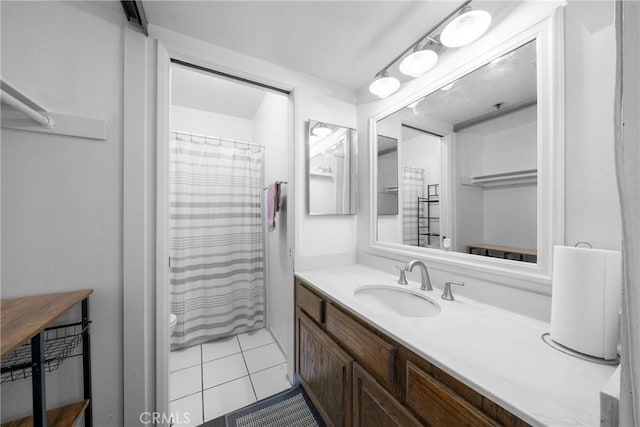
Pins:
<point x="425" y="279"/>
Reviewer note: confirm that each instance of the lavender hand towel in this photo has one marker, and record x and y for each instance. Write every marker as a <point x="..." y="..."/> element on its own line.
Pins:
<point x="273" y="204"/>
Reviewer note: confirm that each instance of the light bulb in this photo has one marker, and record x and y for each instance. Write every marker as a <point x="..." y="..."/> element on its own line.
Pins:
<point x="447" y="87"/>
<point x="384" y="85"/>
<point x="421" y="60"/>
<point x="465" y="28"/>
<point x="321" y="130"/>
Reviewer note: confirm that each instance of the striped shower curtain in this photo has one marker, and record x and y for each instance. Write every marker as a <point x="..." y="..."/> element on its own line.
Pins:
<point x="216" y="247"/>
<point x="412" y="187"/>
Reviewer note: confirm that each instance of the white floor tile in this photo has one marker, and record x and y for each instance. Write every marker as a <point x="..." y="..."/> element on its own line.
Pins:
<point x="255" y="339"/>
<point x="263" y="357"/>
<point x="223" y="370"/>
<point x="187" y="411"/>
<point x="184" y="382"/>
<point x="220" y="348"/>
<point x="180" y="359"/>
<point x="270" y="381"/>
<point x="227" y="397"/>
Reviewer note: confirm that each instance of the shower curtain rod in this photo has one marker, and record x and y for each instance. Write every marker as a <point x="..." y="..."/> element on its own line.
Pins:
<point x="219" y="138"/>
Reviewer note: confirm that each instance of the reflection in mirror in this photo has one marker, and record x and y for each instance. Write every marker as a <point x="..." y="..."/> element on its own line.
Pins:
<point x="387" y="175"/>
<point x="331" y="172"/>
<point x="467" y="163"/>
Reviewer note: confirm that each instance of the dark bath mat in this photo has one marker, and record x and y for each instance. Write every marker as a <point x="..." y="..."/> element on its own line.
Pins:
<point x="291" y="408"/>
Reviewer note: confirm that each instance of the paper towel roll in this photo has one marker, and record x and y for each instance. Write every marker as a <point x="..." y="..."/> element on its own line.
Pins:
<point x="585" y="300"/>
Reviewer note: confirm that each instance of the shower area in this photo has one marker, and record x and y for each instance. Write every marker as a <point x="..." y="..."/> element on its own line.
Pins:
<point x="217" y="244"/>
<point x="230" y="273"/>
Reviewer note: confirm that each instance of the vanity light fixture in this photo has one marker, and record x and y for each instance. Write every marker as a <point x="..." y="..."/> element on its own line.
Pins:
<point x="321" y="130"/>
<point x="467" y="27"/>
<point x="384" y="85"/>
<point x="422" y="59"/>
<point x="464" y="26"/>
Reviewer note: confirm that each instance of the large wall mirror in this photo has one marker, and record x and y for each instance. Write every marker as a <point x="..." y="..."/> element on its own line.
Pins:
<point x="489" y="116"/>
<point x="331" y="169"/>
<point x="473" y="170"/>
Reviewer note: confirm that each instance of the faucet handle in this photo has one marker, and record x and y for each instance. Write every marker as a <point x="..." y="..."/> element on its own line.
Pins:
<point x="447" y="294"/>
<point x="403" y="277"/>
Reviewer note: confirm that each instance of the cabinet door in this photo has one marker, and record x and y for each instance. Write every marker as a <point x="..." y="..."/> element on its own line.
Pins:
<point x="374" y="406"/>
<point x="438" y="405"/>
<point x="325" y="372"/>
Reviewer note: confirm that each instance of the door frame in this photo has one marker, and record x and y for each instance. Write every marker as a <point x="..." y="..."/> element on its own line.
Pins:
<point x="166" y="50"/>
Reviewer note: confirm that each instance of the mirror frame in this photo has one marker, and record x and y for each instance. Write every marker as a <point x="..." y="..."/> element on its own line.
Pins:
<point x="550" y="207"/>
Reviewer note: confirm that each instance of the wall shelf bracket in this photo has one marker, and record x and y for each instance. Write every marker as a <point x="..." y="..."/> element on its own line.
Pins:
<point x="20" y="112"/>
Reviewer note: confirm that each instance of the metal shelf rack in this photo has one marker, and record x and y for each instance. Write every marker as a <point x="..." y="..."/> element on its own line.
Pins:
<point x="428" y="217"/>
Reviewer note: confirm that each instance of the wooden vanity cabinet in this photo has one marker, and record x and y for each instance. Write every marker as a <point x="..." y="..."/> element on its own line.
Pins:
<point x="358" y="376"/>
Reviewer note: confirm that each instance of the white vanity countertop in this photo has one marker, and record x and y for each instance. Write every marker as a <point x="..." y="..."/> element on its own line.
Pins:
<point x="498" y="353"/>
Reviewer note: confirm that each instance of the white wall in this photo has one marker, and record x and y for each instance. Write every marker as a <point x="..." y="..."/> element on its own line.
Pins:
<point x="334" y="235"/>
<point x="322" y="185"/>
<point x="469" y="210"/>
<point x="209" y="123"/>
<point x="423" y="151"/>
<point x="272" y="128"/>
<point x="389" y="227"/>
<point x="62" y="196"/>
<point x="510" y="142"/>
<point x="497" y="215"/>
<point x="592" y="207"/>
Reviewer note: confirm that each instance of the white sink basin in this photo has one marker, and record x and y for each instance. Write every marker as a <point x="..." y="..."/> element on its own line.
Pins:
<point x="394" y="299"/>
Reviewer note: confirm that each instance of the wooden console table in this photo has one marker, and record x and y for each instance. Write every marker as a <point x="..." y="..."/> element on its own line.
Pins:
<point x="506" y="250"/>
<point x="27" y="319"/>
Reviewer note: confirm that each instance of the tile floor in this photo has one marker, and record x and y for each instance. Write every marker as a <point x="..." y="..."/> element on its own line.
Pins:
<point x="218" y="377"/>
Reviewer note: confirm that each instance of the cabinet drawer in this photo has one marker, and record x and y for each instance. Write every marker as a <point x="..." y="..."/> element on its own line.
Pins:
<point x="371" y="351"/>
<point x="438" y="405"/>
<point x="310" y="303"/>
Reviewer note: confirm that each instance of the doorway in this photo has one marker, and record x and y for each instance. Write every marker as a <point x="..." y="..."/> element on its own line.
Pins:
<point x="230" y="140"/>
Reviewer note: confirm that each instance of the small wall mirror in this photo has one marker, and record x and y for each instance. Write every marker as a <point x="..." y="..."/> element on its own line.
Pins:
<point x="331" y="169"/>
<point x="465" y="161"/>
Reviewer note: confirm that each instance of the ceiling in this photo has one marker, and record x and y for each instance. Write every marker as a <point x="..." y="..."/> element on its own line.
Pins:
<point x="203" y="91"/>
<point x="344" y="42"/>
<point x="509" y="80"/>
